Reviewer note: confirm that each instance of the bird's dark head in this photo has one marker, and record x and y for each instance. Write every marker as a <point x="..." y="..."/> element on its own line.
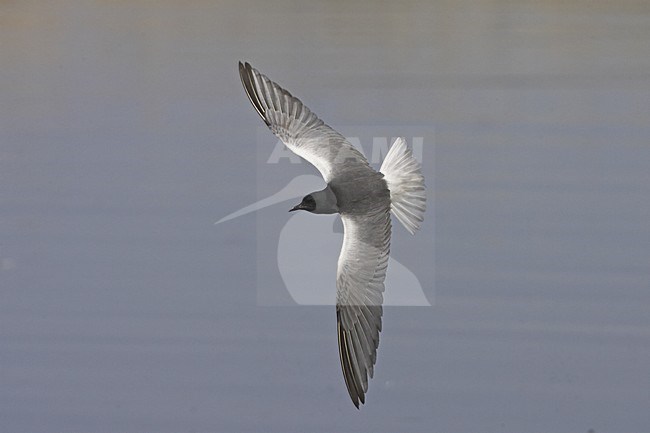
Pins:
<point x="308" y="203"/>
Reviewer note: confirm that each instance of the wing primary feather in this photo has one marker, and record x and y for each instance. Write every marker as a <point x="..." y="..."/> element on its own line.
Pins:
<point x="363" y="353"/>
<point x="353" y="359"/>
<point x="363" y="340"/>
<point x="360" y="364"/>
<point x="345" y="361"/>
<point x="247" y="77"/>
<point x="262" y="90"/>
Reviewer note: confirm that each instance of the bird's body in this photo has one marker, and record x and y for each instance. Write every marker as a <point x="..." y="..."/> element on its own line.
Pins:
<point x="364" y="198"/>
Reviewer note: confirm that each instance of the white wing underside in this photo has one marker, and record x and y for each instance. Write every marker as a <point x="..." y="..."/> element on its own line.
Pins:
<point x="360" y="282"/>
<point x="299" y="129"/>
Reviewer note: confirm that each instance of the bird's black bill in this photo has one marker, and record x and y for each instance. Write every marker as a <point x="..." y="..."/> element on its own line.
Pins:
<point x="296" y="207"/>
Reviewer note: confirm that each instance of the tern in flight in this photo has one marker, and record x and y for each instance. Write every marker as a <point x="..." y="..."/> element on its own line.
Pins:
<point x="364" y="198"/>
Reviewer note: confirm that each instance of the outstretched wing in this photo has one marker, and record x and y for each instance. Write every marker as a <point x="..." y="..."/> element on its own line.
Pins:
<point x="360" y="282"/>
<point x="298" y="128"/>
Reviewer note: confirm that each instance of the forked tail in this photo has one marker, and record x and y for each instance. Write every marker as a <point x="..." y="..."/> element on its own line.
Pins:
<point x="406" y="184"/>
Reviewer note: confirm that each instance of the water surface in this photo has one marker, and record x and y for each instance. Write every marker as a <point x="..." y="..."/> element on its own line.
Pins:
<point x="124" y="134"/>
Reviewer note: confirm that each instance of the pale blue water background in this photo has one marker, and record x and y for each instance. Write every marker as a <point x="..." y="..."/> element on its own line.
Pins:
<point x="124" y="134"/>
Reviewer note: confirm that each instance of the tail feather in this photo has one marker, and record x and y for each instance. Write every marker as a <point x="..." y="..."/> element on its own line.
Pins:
<point x="406" y="184"/>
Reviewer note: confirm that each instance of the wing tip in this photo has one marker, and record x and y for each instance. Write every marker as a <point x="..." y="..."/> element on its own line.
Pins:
<point x="355" y="390"/>
<point x="247" y="75"/>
